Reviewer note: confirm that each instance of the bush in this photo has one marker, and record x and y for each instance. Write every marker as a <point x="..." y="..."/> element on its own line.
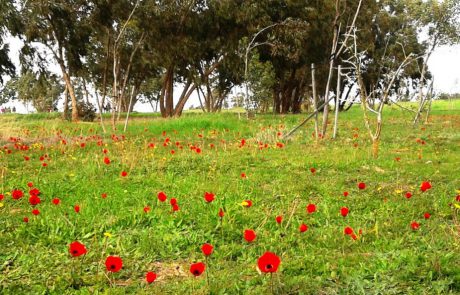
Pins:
<point x="86" y="112"/>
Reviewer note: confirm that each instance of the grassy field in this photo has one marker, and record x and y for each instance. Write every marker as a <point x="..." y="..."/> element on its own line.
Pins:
<point x="200" y="153"/>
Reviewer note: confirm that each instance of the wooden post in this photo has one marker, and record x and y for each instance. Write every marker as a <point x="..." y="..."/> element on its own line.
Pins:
<point x="337" y="101"/>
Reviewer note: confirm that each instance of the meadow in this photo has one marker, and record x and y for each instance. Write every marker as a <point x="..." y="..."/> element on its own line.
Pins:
<point x="340" y="220"/>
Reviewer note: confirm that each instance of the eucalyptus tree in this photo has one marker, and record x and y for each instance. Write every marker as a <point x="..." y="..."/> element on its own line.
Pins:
<point x="287" y="46"/>
<point x="62" y="27"/>
<point x="9" y="24"/>
<point x="440" y="21"/>
<point x="386" y="43"/>
<point x="218" y="66"/>
<point x="41" y="89"/>
<point x="392" y="33"/>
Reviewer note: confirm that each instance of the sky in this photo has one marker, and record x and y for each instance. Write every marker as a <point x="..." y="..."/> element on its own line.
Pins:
<point x="444" y="64"/>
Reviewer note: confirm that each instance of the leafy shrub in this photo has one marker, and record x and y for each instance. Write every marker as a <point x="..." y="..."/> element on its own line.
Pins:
<point x="86" y="112"/>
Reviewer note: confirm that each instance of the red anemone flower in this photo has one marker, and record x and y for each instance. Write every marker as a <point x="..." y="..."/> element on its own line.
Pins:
<point x="113" y="263"/>
<point x="162" y="196"/>
<point x="209" y="197"/>
<point x="345" y="194"/>
<point x="76" y="208"/>
<point x="344" y="211"/>
<point x="427" y="215"/>
<point x="34" y="192"/>
<point x="124" y="173"/>
<point x="303" y="228"/>
<point x="279" y="219"/>
<point x="348" y="230"/>
<point x="150" y="277"/>
<point x="34" y="200"/>
<point x="249" y="235"/>
<point x="197" y="268"/>
<point x="361" y="185"/>
<point x="207" y="249"/>
<point x="425" y="186"/>
<point x="415" y="225"/>
<point x="221" y="213"/>
<point x="106" y="160"/>
<point x="268" y="262"/>
<point x="17" y="194"/>
<point x="77" y="249"/>
<point x="311" y="208"/>
<point x="56" y="201"/>
<point x="408" y="195"/>
<point x="247" y="203"/>
<point x="35" y="212"/>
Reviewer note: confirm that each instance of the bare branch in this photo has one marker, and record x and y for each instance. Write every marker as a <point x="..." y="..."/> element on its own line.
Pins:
<point x="126" y="23"/>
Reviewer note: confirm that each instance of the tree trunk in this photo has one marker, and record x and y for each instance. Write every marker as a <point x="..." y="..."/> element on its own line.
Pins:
<point x="315" y="100"/>
<point x="422" y="80"/>
<point x="100" y="110"/>
<point x="199" y="91"/>
<point x="337" y="102"/>
<point x="430" y="100"/>
<point x="162" y="95"/>
<point x="86" y="91"/>
<point x="169" y="93"/>
<point x="115" y="96"/>
<point x="104" y="78"/>
<point x="186" y="93"/>
<point x="345" y="99"/>
<point x="298" y="96"/>
<point x="276" y="101"/>
<point x="326" y="97"/>
<point x="375" y="147"/>
<point x="66" y="103"/>
<point x="68" y="83"/>
<point x="133" y="90"/>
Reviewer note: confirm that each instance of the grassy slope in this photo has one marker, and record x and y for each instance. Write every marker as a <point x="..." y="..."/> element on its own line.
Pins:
<point x="388" y="257"/>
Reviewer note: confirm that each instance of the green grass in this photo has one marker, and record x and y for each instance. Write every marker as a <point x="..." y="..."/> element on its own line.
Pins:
<point x="387" y="258"/>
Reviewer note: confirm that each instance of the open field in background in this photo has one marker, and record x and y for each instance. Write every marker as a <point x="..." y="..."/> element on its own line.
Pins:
<point x="388" y="255"/>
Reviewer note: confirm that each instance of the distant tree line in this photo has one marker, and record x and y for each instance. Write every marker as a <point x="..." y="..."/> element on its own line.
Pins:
<point x="121" y="52"/>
